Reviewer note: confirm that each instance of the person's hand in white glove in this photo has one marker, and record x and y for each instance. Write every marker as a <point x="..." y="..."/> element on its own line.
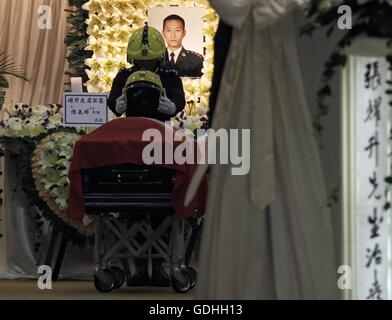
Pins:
<point x="121" y="105"/>
<point x="167" y="106"/>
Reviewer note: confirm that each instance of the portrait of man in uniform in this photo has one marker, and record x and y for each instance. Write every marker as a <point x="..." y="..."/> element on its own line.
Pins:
<point x="188" y="63"/>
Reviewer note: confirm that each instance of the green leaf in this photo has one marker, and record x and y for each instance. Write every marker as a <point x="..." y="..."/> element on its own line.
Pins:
<point x="76" y="39"/>
<point x="2" y="99"/>
<point x="3" y="82"/>
<point x="388" y="180"/>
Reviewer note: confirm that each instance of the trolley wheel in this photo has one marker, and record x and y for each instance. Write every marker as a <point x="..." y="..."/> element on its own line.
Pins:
<point x="119" y="277"/>
<point x="193" y="274"/>
<point x="184" y="285"/>
<point x="105" y="282"/>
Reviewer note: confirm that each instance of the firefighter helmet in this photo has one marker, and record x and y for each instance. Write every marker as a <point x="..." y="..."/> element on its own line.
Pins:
<point x="146" y="44"/>
<point x="143" y="91"/>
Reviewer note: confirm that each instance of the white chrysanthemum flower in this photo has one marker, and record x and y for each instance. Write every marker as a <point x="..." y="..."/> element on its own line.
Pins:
<point x="202" y="109"/>
<point x="50" y="177"/>
<point x="15" y="124"/>
<point x="62" y="194"/>
<point x="55" y="121"/>
<point x="39" y="110"/>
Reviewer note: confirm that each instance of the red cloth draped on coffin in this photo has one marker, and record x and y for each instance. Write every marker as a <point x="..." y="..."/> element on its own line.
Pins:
<point x="119" y="142"/>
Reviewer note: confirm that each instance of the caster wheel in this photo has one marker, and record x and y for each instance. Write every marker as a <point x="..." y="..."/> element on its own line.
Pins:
<point x="119" y="277"/>
<point x="104" y="281"/>
<point x="182" y="285"/>
<point x="192" y="272"/>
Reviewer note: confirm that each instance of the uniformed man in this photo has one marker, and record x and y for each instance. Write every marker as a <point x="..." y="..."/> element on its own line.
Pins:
<point x="188" y="63"/>
<point x="146" y="51"/>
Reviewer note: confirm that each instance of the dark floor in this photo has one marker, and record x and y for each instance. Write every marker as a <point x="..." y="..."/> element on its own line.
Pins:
<point x="82" y="290"/>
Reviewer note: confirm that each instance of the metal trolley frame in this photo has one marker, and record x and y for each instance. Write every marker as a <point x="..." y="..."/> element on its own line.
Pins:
<point x="114" y="194"/>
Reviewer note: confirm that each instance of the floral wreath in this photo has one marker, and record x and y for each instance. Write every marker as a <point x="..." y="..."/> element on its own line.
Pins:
<point x="50" y="164"/>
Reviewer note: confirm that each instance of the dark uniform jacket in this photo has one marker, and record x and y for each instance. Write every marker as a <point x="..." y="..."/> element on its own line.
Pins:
<point x="189" y="63"/>
<point x="170" y="81"/>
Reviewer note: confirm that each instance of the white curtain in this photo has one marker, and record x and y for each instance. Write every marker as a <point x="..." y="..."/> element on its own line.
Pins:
<point x="41" y="51"/>
<point x="268" y="235"/>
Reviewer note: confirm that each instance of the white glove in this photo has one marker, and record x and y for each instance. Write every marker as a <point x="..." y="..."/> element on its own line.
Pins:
<point x="121" y="105"/>
<point x="167" y="106"/>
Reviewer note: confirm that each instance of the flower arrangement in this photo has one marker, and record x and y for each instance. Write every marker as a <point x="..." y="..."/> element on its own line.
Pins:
<point x="42" y="150"/>
<point x="369" y="17"/>
<point x="195" y="115"/>
<point x="30" y="121"/>
<point x="110" y="24"/>
<point x="50" y="166"/>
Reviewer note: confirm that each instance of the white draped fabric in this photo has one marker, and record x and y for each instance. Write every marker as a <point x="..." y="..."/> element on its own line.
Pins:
<point x="267" y="235"/>
<point x="18" y="258"/>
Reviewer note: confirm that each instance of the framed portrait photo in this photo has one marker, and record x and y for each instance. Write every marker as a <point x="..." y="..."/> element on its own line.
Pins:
<point x="182" y="28"/>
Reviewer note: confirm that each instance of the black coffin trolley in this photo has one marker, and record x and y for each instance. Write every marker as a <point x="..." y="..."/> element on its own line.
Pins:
<point x="115" y="195"/>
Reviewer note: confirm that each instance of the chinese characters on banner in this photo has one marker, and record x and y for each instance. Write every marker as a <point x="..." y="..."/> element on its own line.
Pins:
<point x="372" y="166"/>
<point x="85" y="109"/>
